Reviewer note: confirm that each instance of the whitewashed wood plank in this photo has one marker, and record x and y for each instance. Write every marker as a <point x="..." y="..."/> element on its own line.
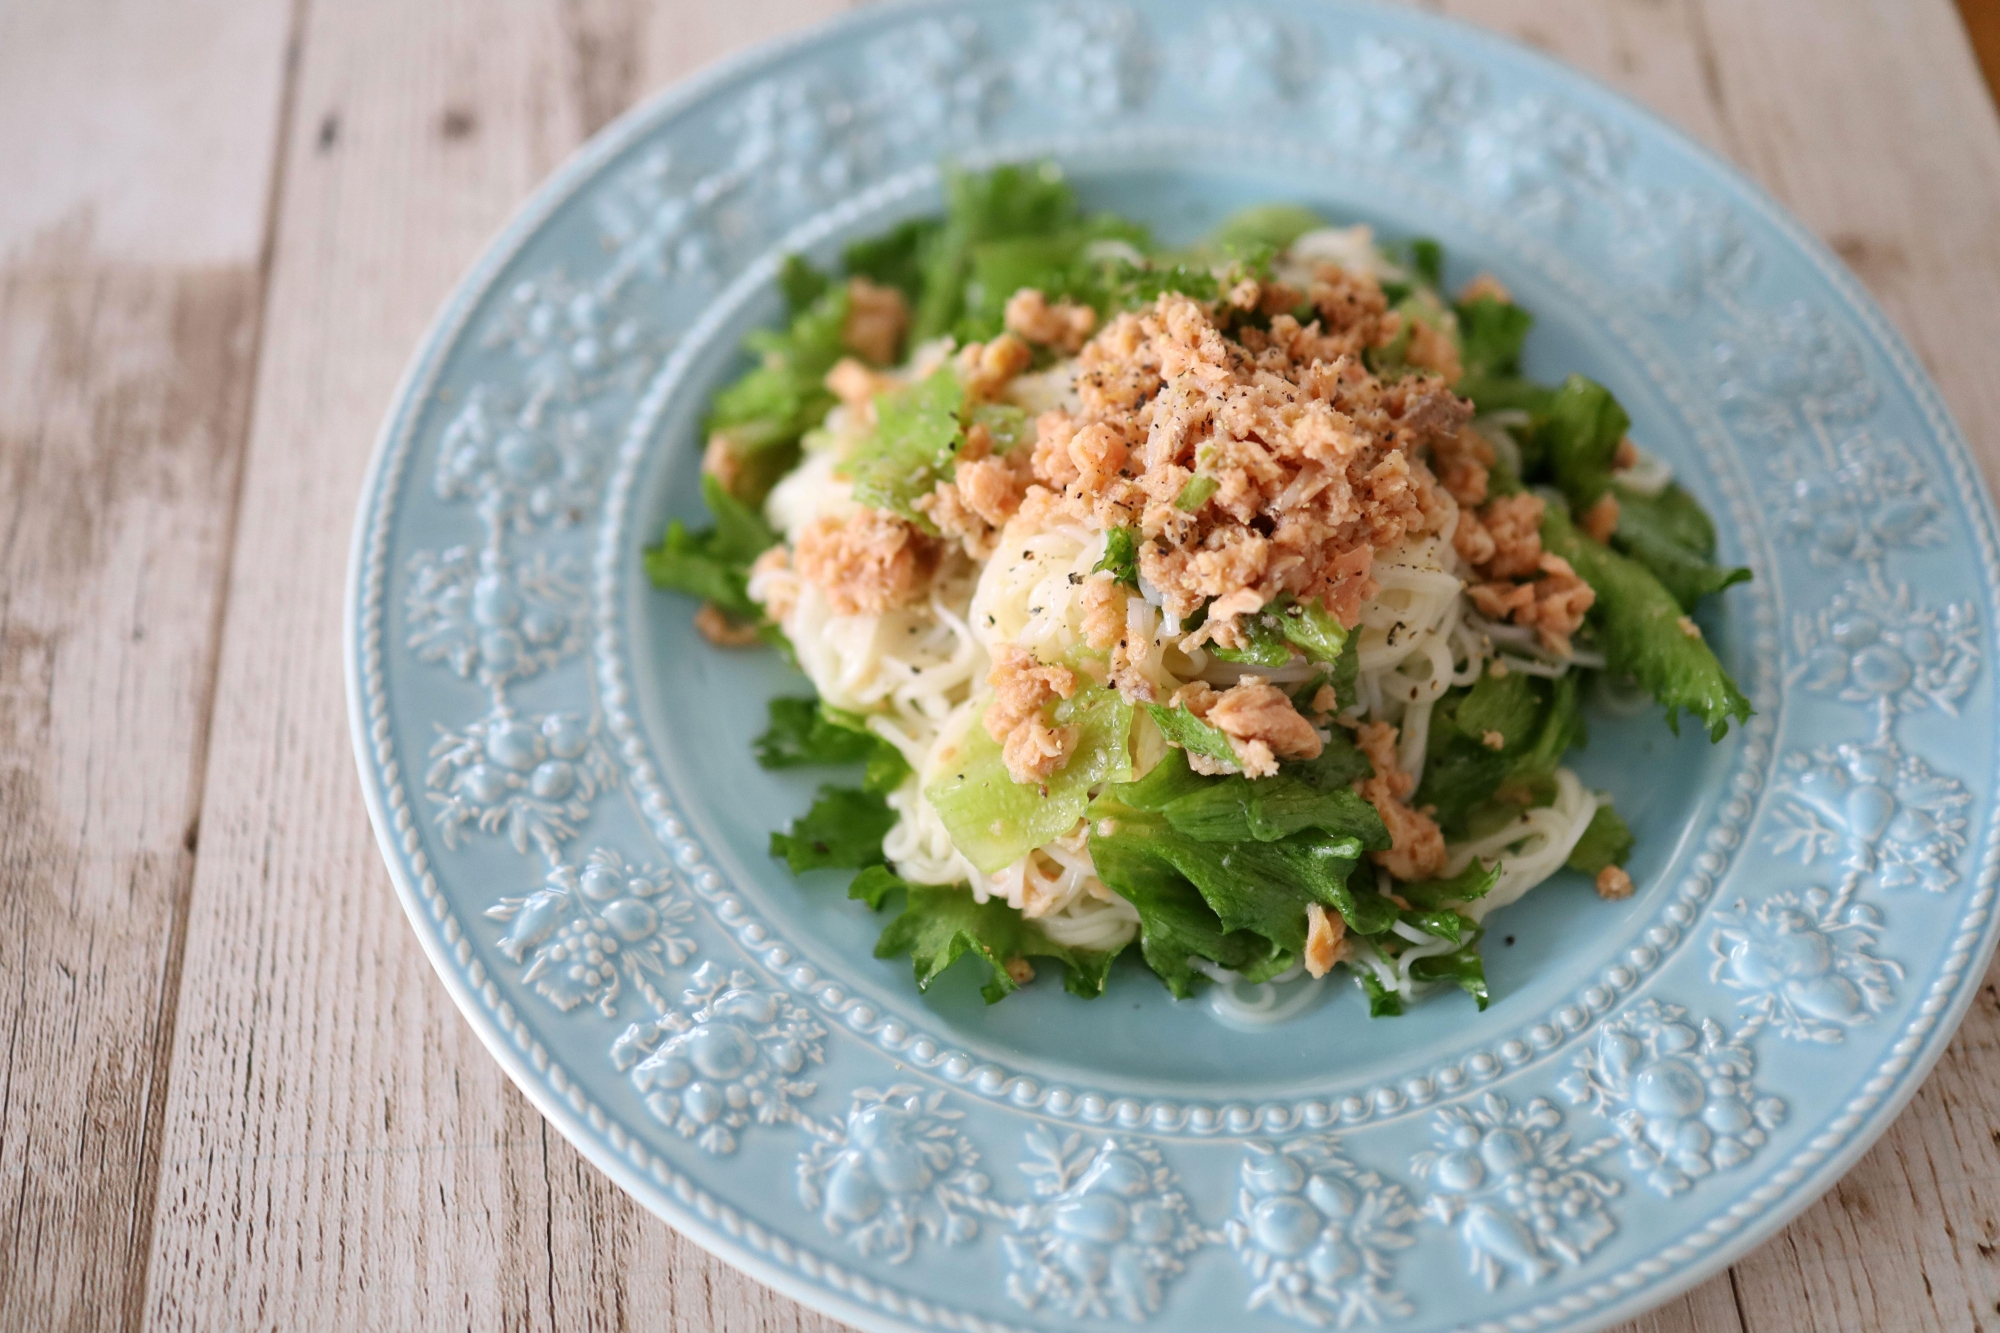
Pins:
<point x="126" y="357"/>
<point x="151" y="125"/>
<point x="340" y="1150"/>
<point x="1882" y="137"/>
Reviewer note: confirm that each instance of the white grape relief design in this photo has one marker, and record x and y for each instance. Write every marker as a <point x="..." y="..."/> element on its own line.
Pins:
<point x="587" y="934"/>
<point x="531" y="778"/>
<point x="1678" y="1091"/>
<point x="1096" y="57"/>
<point x="1898" y="823"/>
<point x="1874" y="644"/>
<point x="1108" y="1227"/>
<point x="1396" y="97"/>
<point x="491" y="621"/>
<point x="897" y="1167"/>
<point x="1252" y="62"/>
<point x="1523" y="1201"/>
<point x="1804" y="963"/>
<point x="727" y="1058"/>
<point x="1317" y="1234"/>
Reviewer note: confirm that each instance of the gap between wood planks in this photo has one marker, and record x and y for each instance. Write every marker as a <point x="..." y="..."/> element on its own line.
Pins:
<point x="131" y="269"/>
<point x="311" y="1030"/>
<point x="1982" y="27"/>
<point x="151" y="1145"/>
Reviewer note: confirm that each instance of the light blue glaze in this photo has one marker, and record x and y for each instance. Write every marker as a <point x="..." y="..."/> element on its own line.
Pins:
<point x="559" y="771"/>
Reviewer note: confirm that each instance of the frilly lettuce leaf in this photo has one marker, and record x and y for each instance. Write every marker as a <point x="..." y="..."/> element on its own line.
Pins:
<point x="874" y="885"/>
<point x="1121" y="556"/>
<point x="1473" y="882"/>
<point x="713" y="563"/>
<point x="1176" y="924"/>
<point x="1491" y="334"/>
<point x="1237" y="809"/>
<point x="1579" y="437"/>
<point x="1463" y="968"/>
<point x="1189" y="732"/>
<point x="1263" y="226"/>
<point x="1642" y="630"/>
<point x="783" y="397"/>
<point x="939" y="925"/>
<point x="801" y="283"/>
<point x="1607" y="842"/>
<point x="896" y="257"/>
<point x="1671" y="537"/>
<point x="806" y="731"/>
<point x="843" y="831"/>
<point x="1176" y="820"/>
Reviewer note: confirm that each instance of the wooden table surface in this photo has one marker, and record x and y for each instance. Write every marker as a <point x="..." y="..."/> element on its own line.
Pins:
<point x="234" y="1095"/>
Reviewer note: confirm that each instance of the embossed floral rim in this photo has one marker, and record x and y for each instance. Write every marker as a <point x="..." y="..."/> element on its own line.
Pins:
<point x="830" y="1285"/>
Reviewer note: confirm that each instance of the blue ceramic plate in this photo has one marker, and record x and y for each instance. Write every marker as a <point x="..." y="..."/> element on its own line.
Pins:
<point x="560" y="774"/>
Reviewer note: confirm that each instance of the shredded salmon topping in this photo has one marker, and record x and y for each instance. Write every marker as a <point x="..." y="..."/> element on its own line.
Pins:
<point x="1103" y="611"/>
<point x="984" y="492"/>
<point x="1504" y="539"/>
<point x="1326" y="939"/>
<point x="1601" y="519"/>
<point x="1416" y="849"/>
<point x="876" y="319"/>
<point x="1032" y="747"/>
<point x="871" y="563"/>
<point x="1062" y="326"/>
<point x="719" y="460"/>
<point x="1519" y="581"/>
<point x="1613" y="884"/>
<point x="1260" y="722"/>
<point x="1463" y="465"/>
<point x="1553" y="605"/>
<point x="774" y="584"/>
<point x="720" y="630"/>
<point x="1434" y="350"/>
<point x="856" y="385"/>
<point x="1253" y="465"/>
<point x="987" y="368"/>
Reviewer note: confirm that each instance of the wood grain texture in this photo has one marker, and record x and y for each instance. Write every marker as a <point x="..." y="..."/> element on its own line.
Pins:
<point x="150" y="123"/>
<point x="125" y="371"/>
<point x="339" y="1151"/>
<point x="235" y="1095"/>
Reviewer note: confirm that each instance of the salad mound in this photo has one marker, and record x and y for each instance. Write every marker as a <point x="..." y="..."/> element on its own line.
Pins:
<point x="1236" y="602"/>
